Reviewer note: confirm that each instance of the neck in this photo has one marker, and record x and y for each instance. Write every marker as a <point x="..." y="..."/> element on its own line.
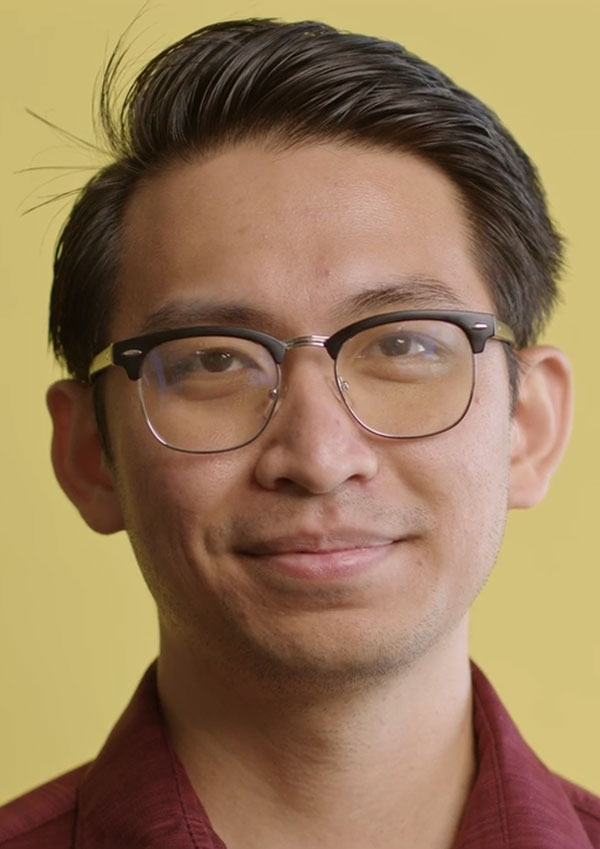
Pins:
<point x="388" y="764"/>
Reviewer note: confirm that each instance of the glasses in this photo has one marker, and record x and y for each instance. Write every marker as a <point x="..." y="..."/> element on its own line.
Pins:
<point x="400" y="375"/>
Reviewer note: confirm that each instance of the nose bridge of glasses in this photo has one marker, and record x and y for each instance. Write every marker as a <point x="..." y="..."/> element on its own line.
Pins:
<point x="313" y="341"/>
<point x="306" y="342"/>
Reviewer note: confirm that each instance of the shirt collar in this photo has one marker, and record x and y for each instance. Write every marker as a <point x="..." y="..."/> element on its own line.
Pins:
<point x="515" y="801"/>
<point x="137" y="794"/>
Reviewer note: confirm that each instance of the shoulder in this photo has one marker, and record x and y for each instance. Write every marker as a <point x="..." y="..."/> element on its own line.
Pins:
<point x="44" y="818"/>
<point x="587" y="808"/>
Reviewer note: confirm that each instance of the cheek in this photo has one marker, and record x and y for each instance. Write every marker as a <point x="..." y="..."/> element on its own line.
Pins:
<point x="462" y="476"/>
<point x="168" y="488"/>
<point x="173" y="504"/>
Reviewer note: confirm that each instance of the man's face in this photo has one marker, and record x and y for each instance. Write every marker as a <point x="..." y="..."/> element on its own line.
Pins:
<point x="319" y="547"/>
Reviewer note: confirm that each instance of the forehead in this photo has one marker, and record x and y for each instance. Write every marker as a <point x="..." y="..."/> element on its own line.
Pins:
<point x="302" y="239"/>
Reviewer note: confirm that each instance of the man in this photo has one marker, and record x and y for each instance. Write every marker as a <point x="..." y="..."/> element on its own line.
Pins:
<point x="299" y="311"/>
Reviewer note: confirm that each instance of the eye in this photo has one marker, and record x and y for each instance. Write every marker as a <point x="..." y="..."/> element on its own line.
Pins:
<point x="183" y="363"/>
<point x="406" y="352"/>
<point x="405" y="344"/>
<point x="408" y="345"/>
<point x="208" y="368"/>
<point x="215" y="361"/>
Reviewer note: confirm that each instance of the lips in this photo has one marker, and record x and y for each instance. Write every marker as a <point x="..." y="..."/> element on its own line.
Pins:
<point x="330" y="557"/>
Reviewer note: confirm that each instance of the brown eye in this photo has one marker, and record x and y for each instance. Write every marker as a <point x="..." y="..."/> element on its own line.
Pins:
<point x="216" y="361"/>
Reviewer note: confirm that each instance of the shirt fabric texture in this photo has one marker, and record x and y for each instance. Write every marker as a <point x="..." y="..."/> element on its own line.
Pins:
<point x="137" y="794"/>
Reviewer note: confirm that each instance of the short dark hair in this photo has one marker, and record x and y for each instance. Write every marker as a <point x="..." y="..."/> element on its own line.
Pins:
<point x="289" y="84"/>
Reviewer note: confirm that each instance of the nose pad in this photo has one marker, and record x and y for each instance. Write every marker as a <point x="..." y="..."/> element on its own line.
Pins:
<point x="344" y="396"/>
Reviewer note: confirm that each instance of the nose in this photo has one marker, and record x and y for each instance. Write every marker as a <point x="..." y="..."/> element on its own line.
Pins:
<point x="312" y="443"/>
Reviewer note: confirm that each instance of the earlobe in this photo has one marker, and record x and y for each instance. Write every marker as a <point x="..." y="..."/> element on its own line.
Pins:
<point x="78" y="457"/>
<point x="541" y="423"/>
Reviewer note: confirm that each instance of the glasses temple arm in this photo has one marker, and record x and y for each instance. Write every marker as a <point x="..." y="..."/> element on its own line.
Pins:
<point x="504" y="333"/>
<point x="101" y="361"/>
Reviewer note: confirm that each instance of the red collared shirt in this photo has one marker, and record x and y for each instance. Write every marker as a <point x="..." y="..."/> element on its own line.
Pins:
<point x="136" y="793"/>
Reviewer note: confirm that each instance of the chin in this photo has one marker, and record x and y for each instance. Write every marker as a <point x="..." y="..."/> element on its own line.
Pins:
<point x="330" y="657"/>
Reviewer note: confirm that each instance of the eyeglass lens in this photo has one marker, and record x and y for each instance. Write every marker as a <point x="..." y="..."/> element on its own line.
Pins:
<point x="402" y="379"/>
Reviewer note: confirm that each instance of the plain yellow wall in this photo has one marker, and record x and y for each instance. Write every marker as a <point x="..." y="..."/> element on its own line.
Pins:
<point x="77" y="625"/>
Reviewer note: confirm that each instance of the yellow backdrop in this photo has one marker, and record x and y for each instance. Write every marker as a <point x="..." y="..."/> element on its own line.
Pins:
<point x="77" y="625"/>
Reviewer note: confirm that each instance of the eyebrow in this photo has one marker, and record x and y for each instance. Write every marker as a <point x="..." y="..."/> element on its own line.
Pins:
<point x="414" y="291"/>
<point x="180" y="313"/>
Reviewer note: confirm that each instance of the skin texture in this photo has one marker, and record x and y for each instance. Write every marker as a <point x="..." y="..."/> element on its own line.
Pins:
<point x="313" y="587"/>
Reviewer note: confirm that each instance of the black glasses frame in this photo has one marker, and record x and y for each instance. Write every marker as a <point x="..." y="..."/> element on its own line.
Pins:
<point x="130" y="353"/>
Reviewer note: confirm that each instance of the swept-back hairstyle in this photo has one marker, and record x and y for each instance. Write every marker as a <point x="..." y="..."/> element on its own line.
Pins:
<point x="289" y="84"/>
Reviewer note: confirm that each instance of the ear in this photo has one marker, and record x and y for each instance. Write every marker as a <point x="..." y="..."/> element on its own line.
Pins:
<point x="78" y="457"/>
<point x="541" y="423"/>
